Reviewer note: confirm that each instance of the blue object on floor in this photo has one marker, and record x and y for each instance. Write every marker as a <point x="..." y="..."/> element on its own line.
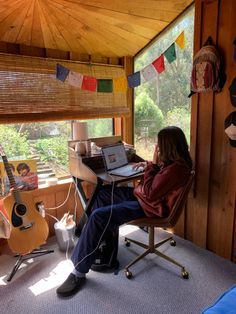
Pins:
<point x="226" y="304"/>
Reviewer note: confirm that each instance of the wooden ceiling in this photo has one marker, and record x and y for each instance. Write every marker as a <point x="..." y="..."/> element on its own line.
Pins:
<point x="111" y="28"/>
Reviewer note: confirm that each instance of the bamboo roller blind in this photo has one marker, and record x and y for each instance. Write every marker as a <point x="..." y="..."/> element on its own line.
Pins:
<point x="29" y="91"/>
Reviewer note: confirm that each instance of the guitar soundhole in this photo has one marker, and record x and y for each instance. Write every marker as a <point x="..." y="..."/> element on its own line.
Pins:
<point x="18" y="211"/>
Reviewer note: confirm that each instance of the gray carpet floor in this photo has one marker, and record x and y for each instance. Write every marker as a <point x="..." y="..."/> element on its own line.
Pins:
<point x="156" y="287"/>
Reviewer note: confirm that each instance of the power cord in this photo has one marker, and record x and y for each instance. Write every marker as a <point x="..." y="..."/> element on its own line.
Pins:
<point x="75" y="214"/>
<point x="69" y="239"/>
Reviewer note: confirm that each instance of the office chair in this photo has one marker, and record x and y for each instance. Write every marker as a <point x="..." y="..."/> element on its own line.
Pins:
<point x="168" y="222"/>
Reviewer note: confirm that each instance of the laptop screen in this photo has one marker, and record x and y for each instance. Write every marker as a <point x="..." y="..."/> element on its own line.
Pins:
<point x="114" y="156"/>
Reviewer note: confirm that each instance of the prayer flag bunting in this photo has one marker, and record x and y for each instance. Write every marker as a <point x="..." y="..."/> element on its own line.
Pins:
<point x="104" y="86"/>
<point x="89" y="83"/>
<point x="149" y="72"/>
<point x="75" y="79"/>
<point x="180" y="40"/>
<point x="170" y="53"/>
<point x="134" y="79"/>
<point x="120" y="84"/>
<point x="61" y="72"/>
<point x="159" y="64"/>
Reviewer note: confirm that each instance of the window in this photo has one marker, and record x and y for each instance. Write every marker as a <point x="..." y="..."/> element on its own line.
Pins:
<point x="164" y="100"/>
<point x="47" y="142"/>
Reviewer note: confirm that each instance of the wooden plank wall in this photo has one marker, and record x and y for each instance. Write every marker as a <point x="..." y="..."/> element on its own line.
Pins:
<point x="57" y="200"/>
<point x="210" y="215"/>
<point x="128" y="122"/>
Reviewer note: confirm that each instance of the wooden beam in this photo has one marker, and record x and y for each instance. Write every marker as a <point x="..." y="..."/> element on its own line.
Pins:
<point x="128" y="122"/>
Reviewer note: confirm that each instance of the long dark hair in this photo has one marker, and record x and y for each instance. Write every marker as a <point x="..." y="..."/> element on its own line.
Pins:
<point x="173" y="146"/>
<point x="22" y="166"/>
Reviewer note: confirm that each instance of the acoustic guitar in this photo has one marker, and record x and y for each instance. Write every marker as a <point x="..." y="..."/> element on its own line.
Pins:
<point x="29" y="228"/>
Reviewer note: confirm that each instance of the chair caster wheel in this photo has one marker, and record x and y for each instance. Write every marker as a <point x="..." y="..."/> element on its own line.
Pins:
<point x="128" y="274"/>
<point x="185" y="274"/>
<point x="127" y="243"/>
<point x="172" y="242"/>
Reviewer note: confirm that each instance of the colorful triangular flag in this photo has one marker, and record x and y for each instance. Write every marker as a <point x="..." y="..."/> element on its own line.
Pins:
<point x="180" y="40"/>
<point x="149" y="72"/>
<point x="159" y="64"/>
<point x="61" y="72"/>
<point x="170" y="53"/>
<point x="134" y="79"/>
<point x="104" y="86"/>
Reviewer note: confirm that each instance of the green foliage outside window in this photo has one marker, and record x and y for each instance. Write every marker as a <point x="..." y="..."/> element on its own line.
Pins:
<point x="100" y="127"/>
<point x="15" y="144"/>
<point x="53" y="149"/>
<point x="146" y="114"/>
<point x="168" y="91"/>
<point x="47" y="142"/>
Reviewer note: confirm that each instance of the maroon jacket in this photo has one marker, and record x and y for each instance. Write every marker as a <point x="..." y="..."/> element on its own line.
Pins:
<point x="160" y="187"/>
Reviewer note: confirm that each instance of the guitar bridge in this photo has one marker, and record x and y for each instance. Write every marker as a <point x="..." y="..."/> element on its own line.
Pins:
<point x="26" y="226"/>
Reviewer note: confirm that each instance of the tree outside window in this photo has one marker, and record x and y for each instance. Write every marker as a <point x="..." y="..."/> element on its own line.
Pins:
<point x="164" y="100"/>
<point x="47" y="142"/>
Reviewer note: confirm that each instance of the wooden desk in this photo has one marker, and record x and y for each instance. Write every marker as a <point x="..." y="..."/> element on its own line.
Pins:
<point x="90" y="169"/>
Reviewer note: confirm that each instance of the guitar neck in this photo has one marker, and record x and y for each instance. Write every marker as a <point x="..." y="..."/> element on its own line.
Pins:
<point x="10" y="176"/>
<point x="9" y="172"/>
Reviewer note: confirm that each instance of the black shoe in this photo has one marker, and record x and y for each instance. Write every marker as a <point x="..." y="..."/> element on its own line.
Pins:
<point x="71" y="286"/>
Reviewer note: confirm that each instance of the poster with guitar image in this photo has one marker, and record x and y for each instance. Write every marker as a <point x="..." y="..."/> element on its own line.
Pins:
<point x="24" y="172"/>
<point x="29" y="229"/>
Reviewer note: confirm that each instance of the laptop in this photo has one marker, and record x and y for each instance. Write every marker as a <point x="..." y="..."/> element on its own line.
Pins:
<point x="116" y="161"/>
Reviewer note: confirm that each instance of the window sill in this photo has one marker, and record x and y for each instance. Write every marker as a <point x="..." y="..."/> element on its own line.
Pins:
<point x="59" y="182"/>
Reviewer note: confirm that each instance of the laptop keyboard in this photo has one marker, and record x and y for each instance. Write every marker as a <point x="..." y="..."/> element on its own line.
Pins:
<point x="126" y="171"/>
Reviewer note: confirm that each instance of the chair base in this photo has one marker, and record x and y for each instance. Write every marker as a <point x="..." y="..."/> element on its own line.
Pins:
<point x="152" y="248"/>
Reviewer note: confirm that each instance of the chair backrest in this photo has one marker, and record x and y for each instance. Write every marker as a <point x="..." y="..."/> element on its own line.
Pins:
<point x="180" y="202"/>
<point x="171" y="220"/>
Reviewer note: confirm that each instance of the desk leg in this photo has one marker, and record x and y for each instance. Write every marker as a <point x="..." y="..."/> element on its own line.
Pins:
<point x="93" y="197"/>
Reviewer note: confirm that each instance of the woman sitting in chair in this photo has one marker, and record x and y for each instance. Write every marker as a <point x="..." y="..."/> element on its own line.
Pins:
<point x="163" y="180"/>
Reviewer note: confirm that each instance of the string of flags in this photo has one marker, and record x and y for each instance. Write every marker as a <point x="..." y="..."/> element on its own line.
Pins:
<point x="120" y="84"/>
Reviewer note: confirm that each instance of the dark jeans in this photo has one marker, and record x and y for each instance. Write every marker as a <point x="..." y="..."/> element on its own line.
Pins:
<point x="110" y="210"/>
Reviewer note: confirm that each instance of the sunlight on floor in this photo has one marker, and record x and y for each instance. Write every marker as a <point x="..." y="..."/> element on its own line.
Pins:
<point x="3" y="279"/>
<point x="56" y="277"/>
<point x="61" y="271"/>
<point x="126" y="229"/>
<point x="2" y="282"/>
